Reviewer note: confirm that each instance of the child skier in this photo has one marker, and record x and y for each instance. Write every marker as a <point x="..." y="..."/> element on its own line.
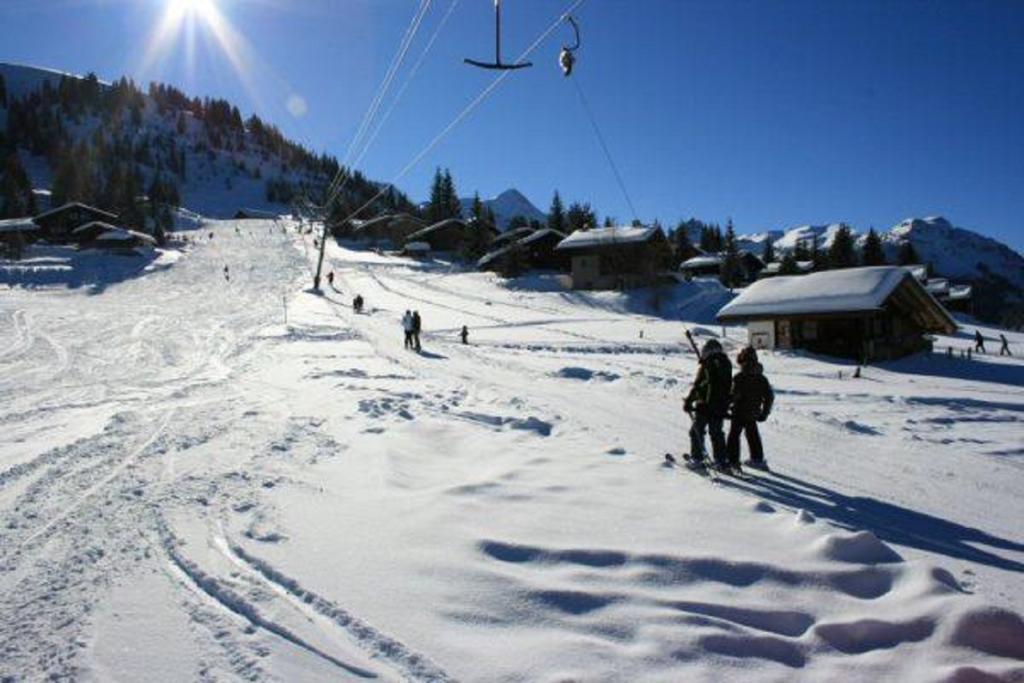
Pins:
<point x="752" y="399"/>
<point x="708" y="402"/>
<point x="407" y="327"/>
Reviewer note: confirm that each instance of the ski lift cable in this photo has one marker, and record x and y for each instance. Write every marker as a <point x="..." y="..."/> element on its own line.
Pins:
<point x="469" y="108"/>
<point x="337" y="187"/>
<point x="604" y="145"/>
<point x="389" y="77"/>
<point x="405" y="85"/>
<point x="340" y="176"/>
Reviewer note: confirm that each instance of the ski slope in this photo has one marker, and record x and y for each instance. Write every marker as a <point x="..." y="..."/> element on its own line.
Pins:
<point x="215" y="479"/>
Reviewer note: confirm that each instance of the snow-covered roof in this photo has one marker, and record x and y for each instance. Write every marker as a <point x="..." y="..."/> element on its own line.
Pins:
<point x="603" y="237"/>
<point x="74" y="205"/>
<point x="122" y="235"/>
<point x="94" y="225"/>
<point x="416" y="246"/>
<point x="705" y="261"/>
<point x="774" y="267"/>
<point x="851" y="290"/>
<point x="17" y="225"/>
<point x="431" y="229"/>
<point x="960" y="292"/>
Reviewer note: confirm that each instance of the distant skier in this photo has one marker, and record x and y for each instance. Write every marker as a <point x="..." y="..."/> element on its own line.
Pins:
<point x="708" y="402"/>
<point x="357" y="303"/>
<point x="330" y="279"/>
<point x="752" y="399"/>
<point x="407" y="328"/>
<point x="227" y="273"/>
<point x="464" y="334"/>
<point x="1005" y="348"/>
<point x="417" y="326"/>
<point x="979" y="342"/>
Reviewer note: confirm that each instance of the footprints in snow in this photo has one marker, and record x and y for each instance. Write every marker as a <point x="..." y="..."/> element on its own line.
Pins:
<point x="609" y="588"/>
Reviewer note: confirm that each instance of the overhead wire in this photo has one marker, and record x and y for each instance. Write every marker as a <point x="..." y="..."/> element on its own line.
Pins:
<point x="343" y="174"/>
<point x="468" y="109"/>
<point x="405" y="85"/>
<point x="604" y="145"/>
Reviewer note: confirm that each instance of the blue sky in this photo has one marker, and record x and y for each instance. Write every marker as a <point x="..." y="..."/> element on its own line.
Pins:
<point x="772" y="113"/>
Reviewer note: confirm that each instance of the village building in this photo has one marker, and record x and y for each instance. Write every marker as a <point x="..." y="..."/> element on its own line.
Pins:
<point x="710" y="265"/>
<point x="58" y="224"/>
<point x="121" y="241"/>
<point x="246" y="214"/>
<point x="616" y="257"/>
<point x="873" y="313"/>
<point x="15" y="233"/>
<point x="955" y="297"/>
<point x="416" y="249"/>
<point x="390" y="230"/>
<point x="775" y="268"/>
<point x="534" y="249"/>
<point x="447" y="235"/>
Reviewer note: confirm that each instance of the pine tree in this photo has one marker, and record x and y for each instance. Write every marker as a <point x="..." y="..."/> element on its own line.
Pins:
<point x="518" y="221"/>
<point x="580" y="217"/>
<point x="907" y="254"/>
<point x="769" y="251"/>
<point x="450" y="197"/>
<point x="819" y="257"/>
<point x="16" y="197"/>
<point x="556" y="215"/>
<point x="434" y="207"/>
<point x="873" y="255"/>
<point x="731" y="273"/>
<point x="478" y="208"/>
<point x="788" y="265"/>
<point x="681" y="238"/>
<point x="842" y="254"/>
<point x="801" y="252"/>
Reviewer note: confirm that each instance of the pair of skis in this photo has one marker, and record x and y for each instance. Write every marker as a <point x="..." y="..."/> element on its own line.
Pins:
<point x="704" y="468"/>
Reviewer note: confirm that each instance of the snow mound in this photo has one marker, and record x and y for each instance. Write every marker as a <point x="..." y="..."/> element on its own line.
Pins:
<point x="862" y="547"/>
<point x="992" y="630"/>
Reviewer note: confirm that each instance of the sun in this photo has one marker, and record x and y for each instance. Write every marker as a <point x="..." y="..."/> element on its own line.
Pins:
<point x="189" y="9"/>
<point x="182" y="21"/>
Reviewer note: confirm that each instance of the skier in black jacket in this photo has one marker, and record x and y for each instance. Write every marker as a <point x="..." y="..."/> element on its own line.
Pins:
<point x="752" y="399"/>
<point x="708" y="403"/>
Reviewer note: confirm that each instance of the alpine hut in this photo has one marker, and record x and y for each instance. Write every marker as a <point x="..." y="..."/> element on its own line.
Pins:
<point x="616" y="257"/>
<point x="874" y="313"/>
<point x="58" y="224"/>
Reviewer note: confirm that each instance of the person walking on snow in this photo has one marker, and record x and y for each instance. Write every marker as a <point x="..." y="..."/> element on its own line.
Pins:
<point x="417" y="325"/>
<point x="752" y="399"/>
<point x="407" y="328"/>
<point x="979" y="342"/>
<point x="708" y="402"/>
<point x="464" y="334"/>
<point x="1005" y="348"/>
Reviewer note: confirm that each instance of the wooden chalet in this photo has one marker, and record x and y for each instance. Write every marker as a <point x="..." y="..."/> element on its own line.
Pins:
<point x="447" y="235"/>
<point x="534" y="249"/>
<point x="874" y="313"/>
<point x="57" y="225"/>
<point x="710" y="265"/>
<point x="392" y="229"/>
<point x="616" y="257"/>
<point x="15" y="233"/>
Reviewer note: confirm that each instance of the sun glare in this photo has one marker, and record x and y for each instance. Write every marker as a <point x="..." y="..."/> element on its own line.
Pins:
<point x="202" y="9"/>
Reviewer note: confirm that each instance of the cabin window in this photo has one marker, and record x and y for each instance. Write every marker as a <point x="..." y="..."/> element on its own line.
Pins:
<point x="809" y="329"/>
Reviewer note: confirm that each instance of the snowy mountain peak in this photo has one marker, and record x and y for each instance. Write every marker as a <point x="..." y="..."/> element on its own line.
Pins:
<point x="506" y="206"/>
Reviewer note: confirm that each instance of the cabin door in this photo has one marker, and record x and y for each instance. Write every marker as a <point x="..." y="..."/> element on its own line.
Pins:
<point x="783" y="334"/>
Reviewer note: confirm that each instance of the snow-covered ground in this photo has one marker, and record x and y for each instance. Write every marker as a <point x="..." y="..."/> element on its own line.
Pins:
<point x="193" y="488"/>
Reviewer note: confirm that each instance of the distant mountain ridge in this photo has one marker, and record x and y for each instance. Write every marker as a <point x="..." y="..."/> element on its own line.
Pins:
<point x="506" y="206"/>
